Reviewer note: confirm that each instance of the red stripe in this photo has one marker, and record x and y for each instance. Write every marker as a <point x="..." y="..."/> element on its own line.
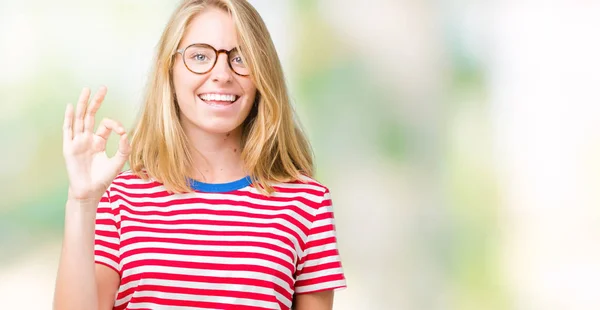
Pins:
<point x="217" y="223"/>
<point x="199" y="210"/>
<point x="108" y="222"/>
<point x="221" y="243"/>
<point x="319" y="255"/>
<point x="280" y="189"/>
<point x="133" y="228"/>
<point x="320" y="242"/>
<point x="323" y="216"/>
<point x="161" y="194"/>
<point x="320" y="280"/>
<point x="321" y="267"/>
<point x="204" y="279"/>
<point x="107" y="233"/>
<point x="112" y="246"/>
<point x="197" y="201"/>
<point x="321" y="229"/>
<point x="137" y="185"/>
<point x="210" y="266"/>
<point x="205" y="292"/>
<point x="206" y="253"/>
<point x="196" y="304"/>
<point x="105" y="254"/>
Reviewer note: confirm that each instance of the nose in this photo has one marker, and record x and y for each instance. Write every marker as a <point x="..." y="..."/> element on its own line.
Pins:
<point x="221" y="71"/>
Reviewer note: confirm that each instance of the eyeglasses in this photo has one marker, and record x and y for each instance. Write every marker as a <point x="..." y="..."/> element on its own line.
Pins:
<point x="202" y="58"/>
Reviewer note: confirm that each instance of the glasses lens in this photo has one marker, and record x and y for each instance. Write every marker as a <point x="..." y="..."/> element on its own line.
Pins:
<point x="237" y="63"/>
<point x="199" y="58"/>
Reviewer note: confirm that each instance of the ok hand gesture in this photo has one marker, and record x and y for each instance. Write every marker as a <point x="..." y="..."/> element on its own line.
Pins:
<point x="89" y="169"/>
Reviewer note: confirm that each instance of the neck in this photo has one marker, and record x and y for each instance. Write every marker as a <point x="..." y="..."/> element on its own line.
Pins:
<point x="216" y="158"/>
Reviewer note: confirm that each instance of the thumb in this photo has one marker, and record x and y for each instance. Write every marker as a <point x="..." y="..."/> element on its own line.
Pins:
<point x="122" y="153"/>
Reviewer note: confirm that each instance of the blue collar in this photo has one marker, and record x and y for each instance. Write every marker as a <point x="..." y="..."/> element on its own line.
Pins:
<point x="220" y="187"/>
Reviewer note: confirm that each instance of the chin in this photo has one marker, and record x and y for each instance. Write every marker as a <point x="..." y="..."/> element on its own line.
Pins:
<point x="218" y="128"/>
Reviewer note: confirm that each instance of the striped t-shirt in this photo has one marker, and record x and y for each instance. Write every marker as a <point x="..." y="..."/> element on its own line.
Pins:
<point x="223" y="246"/>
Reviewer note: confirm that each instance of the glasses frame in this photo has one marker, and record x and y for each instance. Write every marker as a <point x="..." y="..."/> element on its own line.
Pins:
<point x="217" y="53"/>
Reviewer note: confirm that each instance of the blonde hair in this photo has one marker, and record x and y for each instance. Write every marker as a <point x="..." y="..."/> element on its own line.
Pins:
<point x="274" y="148"/>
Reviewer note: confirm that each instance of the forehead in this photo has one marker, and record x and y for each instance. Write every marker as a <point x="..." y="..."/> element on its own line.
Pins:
<point x="211" y="26"/>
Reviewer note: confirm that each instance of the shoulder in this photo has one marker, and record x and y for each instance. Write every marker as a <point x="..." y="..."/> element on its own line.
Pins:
<point x="127" y="181"/>
<point x="128" y="176"/>
<point x="306" y="187"/>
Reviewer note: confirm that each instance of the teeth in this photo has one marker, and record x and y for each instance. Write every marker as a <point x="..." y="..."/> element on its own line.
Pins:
<point x="218" y="97"/>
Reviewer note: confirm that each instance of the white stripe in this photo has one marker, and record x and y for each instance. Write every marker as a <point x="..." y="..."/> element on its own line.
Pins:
<point x="239" y="219"/>
<point x="205" y="259"/>
<point x="107" y="250"/>
<point x="107" y="261"/>
<point x="135" y="180"/>
<point x="202" y="298"/>
<point x="321" y="261"/>
<point x="321" y="236"/>
<point x="241" y="274"/>
<point x="321" y="248"/>
<point x="107" y="228"/>
<point x="215" y="286"/>
<point x="200" y="207"/>
<point x="104" y="214"/>
<point x="299" y="194"/>
<point x="320" y="286"/>
<point x="214" y="196"/>
<point x="147" y="305"/>
<point x="210" y="248"/>
<point x="300" y="186"/>
<point x="200" y="237"/>
<point x="323" y="222"/>
<point x="123" y="188"/>
<point x="320" y="273"/>
<point x="241" y="229"/>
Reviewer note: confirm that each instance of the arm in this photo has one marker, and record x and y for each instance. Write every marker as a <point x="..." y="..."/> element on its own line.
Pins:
<point x="314" y="301"/>
<point x="75" y="282"/>
<point x="80" y="284"/>
<point x="319" y="270"/>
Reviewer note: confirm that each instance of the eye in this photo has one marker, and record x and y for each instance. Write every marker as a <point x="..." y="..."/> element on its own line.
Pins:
<point x="199" y="57"/>
<point x="237" y="60"/>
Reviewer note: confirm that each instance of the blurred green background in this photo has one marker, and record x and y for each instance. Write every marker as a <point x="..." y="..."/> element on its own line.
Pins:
<point x="459" y="139"/>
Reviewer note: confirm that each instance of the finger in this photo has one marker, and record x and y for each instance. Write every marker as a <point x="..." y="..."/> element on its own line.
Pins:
<point x="93" y="108"/>
<point x="124" y="146"/>
<point x="122" y="153"/>
<point x="68" y="124"/>
<point x="80" y="111"/>
<point x="106" y="126"/>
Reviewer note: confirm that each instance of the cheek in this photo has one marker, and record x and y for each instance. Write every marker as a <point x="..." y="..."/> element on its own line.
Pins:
<point x="249" y="90"/>
<point x="177" y="77"/>
<point x="178" y="83"/>
<point x="184" y="82"/>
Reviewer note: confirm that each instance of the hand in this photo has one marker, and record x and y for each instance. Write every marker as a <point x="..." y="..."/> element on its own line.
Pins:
<point x="89" y="169"/>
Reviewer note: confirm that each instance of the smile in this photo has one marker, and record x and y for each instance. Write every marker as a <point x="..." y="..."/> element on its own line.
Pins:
<point x="218" y="99"/>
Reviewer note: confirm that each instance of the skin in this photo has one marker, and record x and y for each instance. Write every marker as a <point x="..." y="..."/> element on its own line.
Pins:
<point x="80" y="283"/>
<point x="214" y="132"/>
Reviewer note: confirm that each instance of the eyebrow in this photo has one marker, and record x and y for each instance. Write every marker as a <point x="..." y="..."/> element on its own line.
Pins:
<point x="203" y="43"/>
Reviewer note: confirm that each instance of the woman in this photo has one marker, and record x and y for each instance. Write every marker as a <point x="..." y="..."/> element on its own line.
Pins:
<point x="218" y="210"/>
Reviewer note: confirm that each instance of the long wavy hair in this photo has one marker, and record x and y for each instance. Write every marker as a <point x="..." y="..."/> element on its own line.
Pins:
<point x="274" y="148"/>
